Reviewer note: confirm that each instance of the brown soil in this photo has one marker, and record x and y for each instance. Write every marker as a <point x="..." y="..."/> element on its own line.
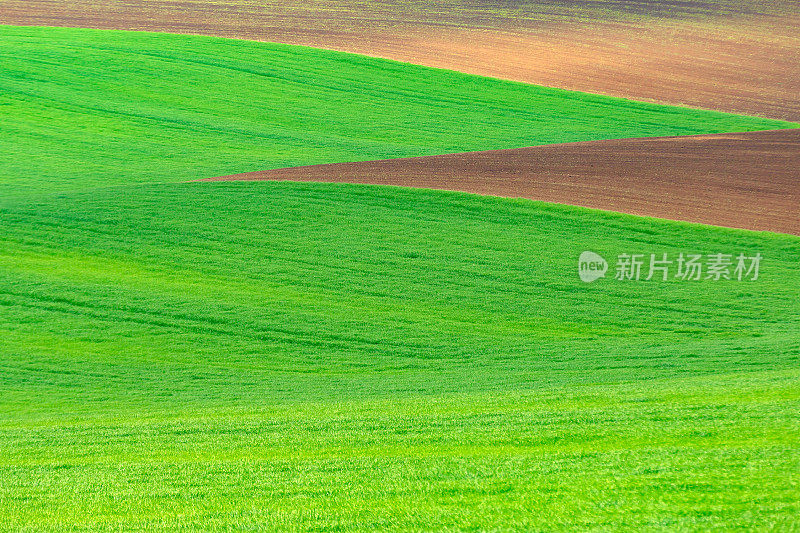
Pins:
<point x="743" y="180"/>
<point x="739" y="56"/>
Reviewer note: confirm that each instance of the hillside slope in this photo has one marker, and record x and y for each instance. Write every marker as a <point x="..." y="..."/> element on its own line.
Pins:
<point x="159" y="107"/>
<point x="745" y="180"/>
<point x="272" y="355"/>
<point x="741" y="57"/>
<point x="350" y="357"/>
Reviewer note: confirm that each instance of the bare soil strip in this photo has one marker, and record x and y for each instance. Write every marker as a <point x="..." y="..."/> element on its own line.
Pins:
<point x="736" y="56"/>
<point x="742" y="180"/>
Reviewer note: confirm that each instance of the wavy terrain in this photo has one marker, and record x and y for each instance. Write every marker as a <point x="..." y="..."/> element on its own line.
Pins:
<point x="241" y="355"/>
<point x="164" y="107"/>
<point x="316" y="356"/>
<point x="745" y="180"/>
<point x="739" y="57"/>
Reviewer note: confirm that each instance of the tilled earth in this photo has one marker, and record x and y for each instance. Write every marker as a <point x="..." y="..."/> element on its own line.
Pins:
<point x="743" y="180"/>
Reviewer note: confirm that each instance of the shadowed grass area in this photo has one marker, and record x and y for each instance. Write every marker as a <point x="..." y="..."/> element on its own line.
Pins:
<point x="354" y="357"/>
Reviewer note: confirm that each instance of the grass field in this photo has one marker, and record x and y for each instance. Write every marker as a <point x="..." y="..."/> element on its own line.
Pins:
<point x="354" y="357"/>
<point x="340" y="357"/>
<point x="87" y="107"/>
<point x="728" y="55"/>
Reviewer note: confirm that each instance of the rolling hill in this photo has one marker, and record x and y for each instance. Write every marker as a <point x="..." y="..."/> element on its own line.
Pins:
<point x="274" y="355"/>
<point x="159" y="107"/>
<point x="330" y="356"/>
<point x="735" y="56"/>
<point x="745" y="180"/>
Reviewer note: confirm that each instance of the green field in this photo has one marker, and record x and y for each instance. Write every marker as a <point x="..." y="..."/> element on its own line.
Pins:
<point x="88" y="108"/>
<point x="341" y="357"/>
<point x="363" y="357"/>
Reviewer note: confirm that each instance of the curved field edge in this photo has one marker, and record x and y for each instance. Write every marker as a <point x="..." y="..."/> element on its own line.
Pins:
<point x="85" y="108"/>
<point x="746" y="180"/>
<point x="730" y="56"/>
<point x="295" y="355"/>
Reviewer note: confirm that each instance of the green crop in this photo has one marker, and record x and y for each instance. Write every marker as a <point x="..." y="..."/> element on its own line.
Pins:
<point x="338" y="357"/>
<point x="351" y="357"/>
<point x="88" y="108"/>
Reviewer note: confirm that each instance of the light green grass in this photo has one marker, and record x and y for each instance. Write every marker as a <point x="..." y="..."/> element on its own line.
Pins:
<point x="86" y="108"/>
<point x="362" y="358"/>
<point x="332" y="357"/>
